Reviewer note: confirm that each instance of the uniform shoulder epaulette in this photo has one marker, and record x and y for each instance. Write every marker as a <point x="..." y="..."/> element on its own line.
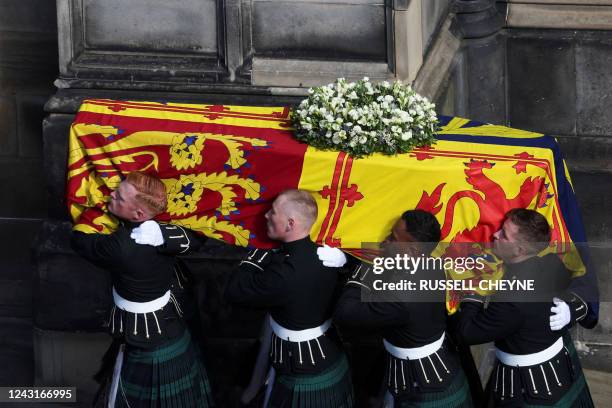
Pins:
<point x="176" y="239"/>
<point x="362" y="276"/>
<point x="258" y="258"/>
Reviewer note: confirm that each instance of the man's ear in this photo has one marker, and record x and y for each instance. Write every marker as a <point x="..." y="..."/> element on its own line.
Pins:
<point x="290" y="224"/>
<point x="522" y="249"/>
<point x="140" y="215"/>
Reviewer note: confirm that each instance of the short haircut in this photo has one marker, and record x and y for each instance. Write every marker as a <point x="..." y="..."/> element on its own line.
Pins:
<point x="532" y="227"/>
<point x="423" y="227"/>
<point x="151" y="191"/>
<point x="302" y="206"/>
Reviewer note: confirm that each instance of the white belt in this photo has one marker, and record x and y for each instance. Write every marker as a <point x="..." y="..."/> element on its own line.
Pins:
<point x="140" y="307"/>
<point x="299" y="335"/>
<point x="523" y="360"/>
<point x="414" y="353"/>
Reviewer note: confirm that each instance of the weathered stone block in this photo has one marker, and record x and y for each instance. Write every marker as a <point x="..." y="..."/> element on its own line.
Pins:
<point x="23" y="183"/>
<point x="594" y="197"/>
<point x="71" y="293"/>
<point x="432" y="12"/>
<point x="8" y="139"/>
<point x="587" y="154"/>
<point x="56" y="128"/>
<point x="541" y="82"/>
<point x="593" y="82"/>
<point x="30" y="115"/>
<point x="486" y="75"/>
<point x="69" y="359"/>
<point x="286" y="29"/>
<point x="28" y="16"/>
<point x="151" y="25"/>
<point x="16" y="352"/>
<point x="29" y="61"/>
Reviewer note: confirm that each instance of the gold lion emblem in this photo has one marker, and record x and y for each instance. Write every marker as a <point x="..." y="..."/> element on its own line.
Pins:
<point x="183" y="196"/>
<point x="186" y="151"/>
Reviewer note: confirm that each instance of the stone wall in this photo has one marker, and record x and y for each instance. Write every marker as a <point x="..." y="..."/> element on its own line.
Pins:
<point x="28" y="67"/>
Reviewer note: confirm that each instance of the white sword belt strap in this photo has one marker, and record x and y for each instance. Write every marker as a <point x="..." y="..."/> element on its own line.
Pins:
<point x="525" y="360"/>
<point x="414" y="353"/>
<point x="141" y="307"/>
<point x="299" y="335"/>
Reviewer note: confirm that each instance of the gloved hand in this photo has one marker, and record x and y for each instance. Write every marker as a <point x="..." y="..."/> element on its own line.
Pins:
<point x="331" y="257"/>
<point x="561" y="315"/>
<point x="148" y="233"/>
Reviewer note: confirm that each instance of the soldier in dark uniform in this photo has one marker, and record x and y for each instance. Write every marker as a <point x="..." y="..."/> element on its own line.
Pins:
<point x="156" y="362"/>
<point x="309" y="367"/>
<point x="422" y="366"/>
<point x="534" y="367"/>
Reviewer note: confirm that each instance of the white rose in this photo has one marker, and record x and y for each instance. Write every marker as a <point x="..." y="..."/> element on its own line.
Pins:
<point x="407" y="135"/>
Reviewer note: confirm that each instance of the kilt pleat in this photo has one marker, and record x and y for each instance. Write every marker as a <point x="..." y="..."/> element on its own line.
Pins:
<point x="457" y="395"/>
<point x="332" y="388"/>
<point x="579" y="395"/>
<point x="170" y="376"/>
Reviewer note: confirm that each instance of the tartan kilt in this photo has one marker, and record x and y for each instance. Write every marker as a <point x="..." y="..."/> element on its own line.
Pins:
<point x="332" y="388"/>
<point x="456" y="395"/>
<point x="577" y="396"/>
<point x="171" y="375"/>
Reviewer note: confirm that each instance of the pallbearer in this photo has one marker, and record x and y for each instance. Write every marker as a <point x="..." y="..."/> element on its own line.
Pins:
<point x="155" y="361"/>
<point x="422" y="368"/>
<point x="535" y="365"/>
<point x="308" y="366"/>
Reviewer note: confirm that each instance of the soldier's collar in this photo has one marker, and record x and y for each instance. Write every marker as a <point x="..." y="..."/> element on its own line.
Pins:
<point x="294" y="246"/>
<point x="129" y="224"/>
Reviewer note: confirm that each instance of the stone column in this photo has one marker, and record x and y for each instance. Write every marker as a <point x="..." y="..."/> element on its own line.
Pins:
<point x="482" y="68"/>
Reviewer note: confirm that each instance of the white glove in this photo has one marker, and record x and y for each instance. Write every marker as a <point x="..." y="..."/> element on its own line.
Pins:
<point x="561" y="315"/>
<point x="331" y="257"/>
<point x="148" y="233"/>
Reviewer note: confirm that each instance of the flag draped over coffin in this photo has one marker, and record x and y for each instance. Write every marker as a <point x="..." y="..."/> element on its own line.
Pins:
<point x="224" y="165"/>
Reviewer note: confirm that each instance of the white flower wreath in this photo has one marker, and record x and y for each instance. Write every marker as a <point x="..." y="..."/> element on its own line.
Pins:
<point x="361" y="118"/>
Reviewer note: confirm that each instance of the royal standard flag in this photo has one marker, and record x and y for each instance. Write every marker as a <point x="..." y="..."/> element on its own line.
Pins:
<point x="224" y="165"/>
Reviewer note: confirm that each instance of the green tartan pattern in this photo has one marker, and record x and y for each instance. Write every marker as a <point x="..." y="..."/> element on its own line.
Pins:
<point x="457" y="395"/>
<point x="332" y="388"/>
<point x="578" y="396"/>
<point x="172" y="375"/>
